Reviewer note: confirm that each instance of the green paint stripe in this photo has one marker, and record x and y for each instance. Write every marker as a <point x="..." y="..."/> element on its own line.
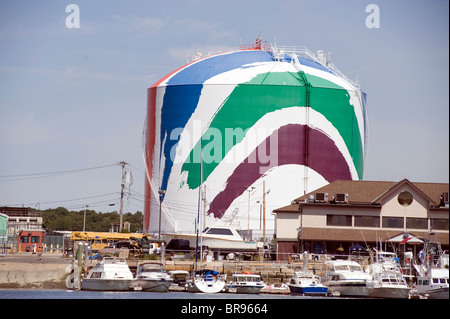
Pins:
<point x="267" y="93"/>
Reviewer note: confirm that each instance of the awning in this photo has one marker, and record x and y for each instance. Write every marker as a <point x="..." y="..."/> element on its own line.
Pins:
<point x="357" y="247"/>
<point x="409" y="239"/>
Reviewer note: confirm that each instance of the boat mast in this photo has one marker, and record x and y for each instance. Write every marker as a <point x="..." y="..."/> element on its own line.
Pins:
<point x="198" y="209"/>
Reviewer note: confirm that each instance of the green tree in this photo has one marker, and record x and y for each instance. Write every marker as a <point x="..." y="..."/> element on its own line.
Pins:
<point x="62" y="219"/>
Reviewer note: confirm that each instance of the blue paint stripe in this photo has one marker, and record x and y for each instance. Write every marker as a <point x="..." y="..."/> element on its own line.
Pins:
<point x="205" y="69"/>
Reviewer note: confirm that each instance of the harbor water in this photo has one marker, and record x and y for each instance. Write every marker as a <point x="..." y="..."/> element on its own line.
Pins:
<point x="83" y="304"/>
<point x="81" y="294"/>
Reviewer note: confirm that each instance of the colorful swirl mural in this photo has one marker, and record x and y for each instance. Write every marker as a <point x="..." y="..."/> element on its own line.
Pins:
<point x="228" y="121"/>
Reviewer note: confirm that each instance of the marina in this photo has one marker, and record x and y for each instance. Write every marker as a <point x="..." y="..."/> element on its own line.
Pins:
<point x="314" y="276"/>
<point x="305" y="253"/>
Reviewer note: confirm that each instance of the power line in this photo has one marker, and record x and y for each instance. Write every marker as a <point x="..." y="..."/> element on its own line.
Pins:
<point x="17" y="177"/>
<point x="65" y="200"/>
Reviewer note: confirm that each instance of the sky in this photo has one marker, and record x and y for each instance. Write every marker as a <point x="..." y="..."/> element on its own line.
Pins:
<point x="73" y="100"/>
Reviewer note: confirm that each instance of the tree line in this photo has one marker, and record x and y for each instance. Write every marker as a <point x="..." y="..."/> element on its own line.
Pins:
<point x="62" y="219"/>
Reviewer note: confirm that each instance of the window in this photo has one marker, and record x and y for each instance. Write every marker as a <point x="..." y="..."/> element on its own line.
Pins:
<point x="35" y="239"/>
<point x="24" y="239"/>
<point x="219" y="231"/>
<point x="439" y="224"/>
<point x="393" y="222"/>
<point x="416" y="223"/>
<point x="405" y="198"/>
<point x="367" y="221"/>
<point x="339" y="220"/>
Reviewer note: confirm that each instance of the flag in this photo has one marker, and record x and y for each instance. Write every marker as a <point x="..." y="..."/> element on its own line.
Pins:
<point x="405" y="240"/>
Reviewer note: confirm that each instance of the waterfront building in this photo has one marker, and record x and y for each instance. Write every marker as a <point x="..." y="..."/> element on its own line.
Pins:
<point x="21" y="219"/>
<point x="3" y="237"/>
<point x="343" y="213"/>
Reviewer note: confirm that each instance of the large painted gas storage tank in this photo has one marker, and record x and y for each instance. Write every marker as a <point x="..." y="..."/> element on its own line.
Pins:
<point x="230" y="122"/>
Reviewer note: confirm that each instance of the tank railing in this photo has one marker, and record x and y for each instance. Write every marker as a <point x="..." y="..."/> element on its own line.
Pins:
<point x="304" y="52"/>
<point x="330" y="65"/>
<point x="280" y="53"/>
<point x="214" y="52"/>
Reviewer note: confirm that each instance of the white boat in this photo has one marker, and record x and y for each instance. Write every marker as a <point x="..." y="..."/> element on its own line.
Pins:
<point x="110" y="274"/>
<point x="347" y="278"/>
<point x="225" y="238"/>
<point x="245" y="283"/>
<point x="306" y="283"/>
<point x="387" y="277"/>
<point x="434" y="284"/>
<point x="206" y="281"/>
<point x="152" y="277"/>
<point x="433" y="275"/>
<point x="180" y="277"/>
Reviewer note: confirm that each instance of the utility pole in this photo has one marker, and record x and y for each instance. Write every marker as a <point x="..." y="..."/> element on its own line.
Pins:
<point x="121" y="195"/>
<point x="249" y="190"/>
<point x="161" y="193"/>
<point x="84" y="219"/>
<point x="204" y="206"/>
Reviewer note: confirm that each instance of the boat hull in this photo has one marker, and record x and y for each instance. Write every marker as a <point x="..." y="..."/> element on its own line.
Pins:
<point x="215" y="243"/>
<point x="350" y="289"/>
<point x="99" y="284"/>
<point x="206" y="286"/>
<point x="246" y="289"/>
<point x="161" y="285"/>
<point x="307" y="290"/>
<point x="390" y="293"/>
<point x="440" y="293"/>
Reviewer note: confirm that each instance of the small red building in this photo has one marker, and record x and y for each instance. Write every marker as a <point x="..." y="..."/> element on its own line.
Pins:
<point x="31" y="241"/>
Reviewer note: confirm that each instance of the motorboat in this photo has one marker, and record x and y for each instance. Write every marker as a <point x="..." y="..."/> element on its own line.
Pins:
<point x="433" y="272"/>
<point x="110" y="274"/>
<point x="347" y="278"/>
<point x="245" y="283"/>
<point x="206" y="281"/>
<point x="219" y="237"/>
<point x="180" y="277"/>
<point x="306" y="283"/>
<point x="433" y="284"/>
<point x="388" y="281"/>
<point x="152" y="277"/>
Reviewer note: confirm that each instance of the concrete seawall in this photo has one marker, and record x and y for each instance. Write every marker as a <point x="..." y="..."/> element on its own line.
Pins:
<point x="50" y="271"/>
<point x="27" y="271"/>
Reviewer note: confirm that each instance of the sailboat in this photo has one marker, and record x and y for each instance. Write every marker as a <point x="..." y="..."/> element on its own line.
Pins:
<point x="205" y="280"/>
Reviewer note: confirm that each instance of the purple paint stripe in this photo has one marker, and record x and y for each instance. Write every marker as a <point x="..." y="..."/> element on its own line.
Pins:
<point x="324" y="157"/>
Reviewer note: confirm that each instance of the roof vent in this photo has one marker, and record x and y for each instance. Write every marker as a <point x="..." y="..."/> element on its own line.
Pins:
<point x="341" y="198"/>
<point x="321" y="197"/>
